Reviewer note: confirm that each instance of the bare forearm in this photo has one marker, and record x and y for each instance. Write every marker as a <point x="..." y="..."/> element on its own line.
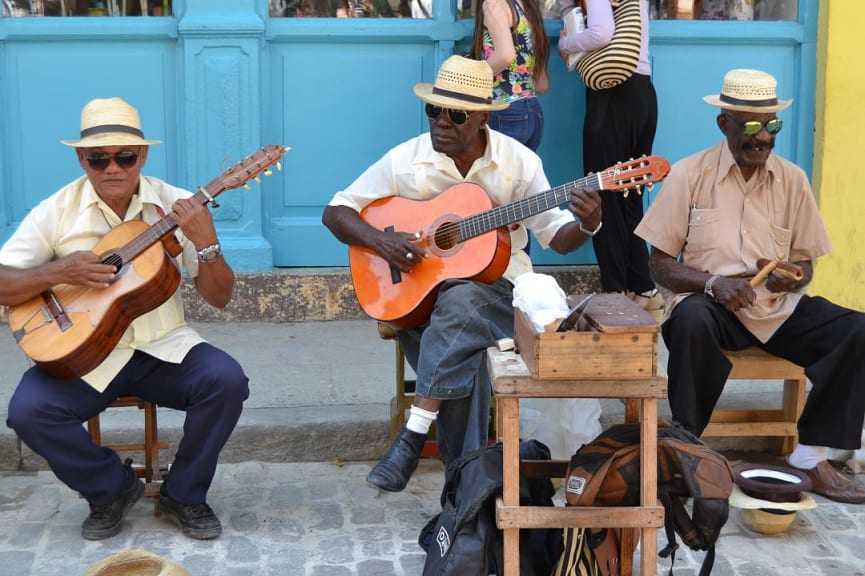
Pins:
<point x="19" y="285"/>
<point x="215" y="282"/>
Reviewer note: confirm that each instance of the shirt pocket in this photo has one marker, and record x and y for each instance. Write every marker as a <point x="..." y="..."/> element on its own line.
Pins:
<point x="781" y="237"/>
<point x="703" y="229"/>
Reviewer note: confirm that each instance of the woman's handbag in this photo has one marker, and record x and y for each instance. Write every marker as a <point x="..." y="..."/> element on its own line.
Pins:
<point x="611" y="65"/>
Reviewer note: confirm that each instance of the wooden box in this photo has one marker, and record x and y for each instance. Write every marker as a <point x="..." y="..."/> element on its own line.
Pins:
<point x="614" y="340"/>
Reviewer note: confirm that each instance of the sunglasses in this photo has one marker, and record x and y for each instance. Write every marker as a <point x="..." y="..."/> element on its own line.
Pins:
<point x="753" y="127"/>
<point x="125" y="159"/>
<point x="458" y="117"/>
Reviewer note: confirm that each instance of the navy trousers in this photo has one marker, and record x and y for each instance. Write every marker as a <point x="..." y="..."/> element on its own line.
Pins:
<point x="209" y="385"/>
<point x="826" y="339"/>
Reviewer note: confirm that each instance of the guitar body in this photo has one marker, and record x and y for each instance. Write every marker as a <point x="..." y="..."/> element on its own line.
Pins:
<point x="97" y="318"/>
<point x="405" y="300"/>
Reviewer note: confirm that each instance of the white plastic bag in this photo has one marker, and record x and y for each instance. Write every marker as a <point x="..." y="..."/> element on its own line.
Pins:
<point x="563" y="424"/>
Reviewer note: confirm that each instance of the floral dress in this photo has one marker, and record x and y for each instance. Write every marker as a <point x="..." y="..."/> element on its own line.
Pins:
<point x="517" y="81"/>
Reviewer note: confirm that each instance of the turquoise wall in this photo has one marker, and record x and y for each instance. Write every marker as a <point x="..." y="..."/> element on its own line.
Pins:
<point x="219" y="79"/>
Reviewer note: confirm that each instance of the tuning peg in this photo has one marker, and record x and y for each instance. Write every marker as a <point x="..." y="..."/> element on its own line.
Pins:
<point x="247" y="186"/>
<point x="268" y="172"/>
<point x="626" y="192"/>
<point x="257" y="179"/>
<point x="279" y="166"/>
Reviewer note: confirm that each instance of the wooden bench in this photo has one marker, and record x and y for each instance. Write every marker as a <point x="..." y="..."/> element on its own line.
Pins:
<point x="151" y="471"/>
<point x="756" y="364"/>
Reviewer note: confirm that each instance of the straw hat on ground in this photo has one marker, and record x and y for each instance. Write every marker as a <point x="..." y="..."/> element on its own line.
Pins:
<point x="769" y="496"/>
<point x="461" y="84"/>
<point x="136" y="563"/>
<point x="109" y="122"/>
<point x="748" y="91"/>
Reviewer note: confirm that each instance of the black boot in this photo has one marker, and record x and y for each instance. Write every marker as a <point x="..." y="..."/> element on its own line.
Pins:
<point x="399" y="463"/>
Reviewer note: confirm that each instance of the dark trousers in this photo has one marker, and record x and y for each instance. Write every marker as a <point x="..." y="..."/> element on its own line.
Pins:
<point x="824" y="338"/>
<point x="619" y="125"/>
<point x="209" y="385"/>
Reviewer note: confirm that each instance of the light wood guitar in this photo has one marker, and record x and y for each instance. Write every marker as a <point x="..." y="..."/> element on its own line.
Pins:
<point x="465" y="236"/>
<point x="69" y="330"/>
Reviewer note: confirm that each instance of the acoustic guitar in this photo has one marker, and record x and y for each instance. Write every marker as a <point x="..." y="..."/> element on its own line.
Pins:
<point x="465" y="236"/>
<point x="69" y="330"/>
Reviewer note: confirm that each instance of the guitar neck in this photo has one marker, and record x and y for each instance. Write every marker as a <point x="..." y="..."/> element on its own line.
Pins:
<point x="163" y="227"/>
<point x="508" y="214"/>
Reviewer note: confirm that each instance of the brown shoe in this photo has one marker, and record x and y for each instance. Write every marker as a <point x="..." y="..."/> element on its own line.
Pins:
<point x="830" y="483"/>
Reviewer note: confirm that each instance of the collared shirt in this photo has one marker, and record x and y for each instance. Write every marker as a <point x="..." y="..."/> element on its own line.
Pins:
<point x="718" y="223"/>
<point x="508" y="172"/>
<point x="75" y="218"/>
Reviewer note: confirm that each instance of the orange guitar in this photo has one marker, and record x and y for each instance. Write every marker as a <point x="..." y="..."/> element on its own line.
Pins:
<point x="465" y="236"/>
<point x="69" y="330"/>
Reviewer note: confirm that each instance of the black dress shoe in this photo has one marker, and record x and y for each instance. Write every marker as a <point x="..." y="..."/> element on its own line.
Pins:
<point x="195" y="520"/>
<point x="399" y="463"/>
<point x="104" y="521"/>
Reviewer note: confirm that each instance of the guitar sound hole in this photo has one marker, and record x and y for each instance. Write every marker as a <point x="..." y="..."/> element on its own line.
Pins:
<point x="114" y="260"/>
<point x="447" y="236"/>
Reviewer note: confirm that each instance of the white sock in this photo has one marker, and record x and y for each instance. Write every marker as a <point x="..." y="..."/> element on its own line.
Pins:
<point x="420" y="420"/>
<point x="807" y="457"/>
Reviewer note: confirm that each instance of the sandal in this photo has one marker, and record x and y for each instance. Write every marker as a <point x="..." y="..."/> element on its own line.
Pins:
<point x="649" y="300"/>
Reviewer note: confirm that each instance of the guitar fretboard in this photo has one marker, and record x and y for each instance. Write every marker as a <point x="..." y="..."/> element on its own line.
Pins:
<point x="521" y="209"/>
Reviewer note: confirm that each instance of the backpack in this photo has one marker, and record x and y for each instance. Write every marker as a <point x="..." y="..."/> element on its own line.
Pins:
<point x="606" y="472"/>
<point x="463" y="539"/>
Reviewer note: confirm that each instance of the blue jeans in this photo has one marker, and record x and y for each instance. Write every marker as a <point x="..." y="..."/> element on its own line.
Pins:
<point x="209" y="385"/>
<point x="523" y="120"/>
<point x="448" y="355"/>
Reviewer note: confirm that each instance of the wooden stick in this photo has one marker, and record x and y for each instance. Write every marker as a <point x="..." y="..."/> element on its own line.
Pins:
<point x="764" y="273"/>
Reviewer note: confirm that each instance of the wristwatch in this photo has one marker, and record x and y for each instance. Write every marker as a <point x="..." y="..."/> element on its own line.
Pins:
<point x="209" y="254"/>
<point x="591" y="232"/>
<point x="707" y="288"/>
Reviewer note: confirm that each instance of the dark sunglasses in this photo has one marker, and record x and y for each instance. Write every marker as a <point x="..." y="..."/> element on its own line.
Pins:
<point x="753" y="127"/>
<point x="125" y="159"/>
<point x="458" y="117"/>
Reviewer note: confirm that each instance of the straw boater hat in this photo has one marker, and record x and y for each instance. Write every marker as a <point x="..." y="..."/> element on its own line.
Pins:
<point x="136" y="563"/>
<point x="748" y="91"/>
<point x="109" y="122"/>
<point x="461" y="84"/>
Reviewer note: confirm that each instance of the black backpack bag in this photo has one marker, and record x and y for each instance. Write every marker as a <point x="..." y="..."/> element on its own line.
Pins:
<point x="606" y="472"/>
<point x="463" y="540"/>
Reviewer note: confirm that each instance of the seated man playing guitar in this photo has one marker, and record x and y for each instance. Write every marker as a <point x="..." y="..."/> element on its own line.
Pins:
<point x="465" y="313"/>
<point x="59" y="273"/>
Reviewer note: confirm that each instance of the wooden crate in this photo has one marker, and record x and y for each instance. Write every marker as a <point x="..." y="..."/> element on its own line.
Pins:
<point x="615" y="339"/>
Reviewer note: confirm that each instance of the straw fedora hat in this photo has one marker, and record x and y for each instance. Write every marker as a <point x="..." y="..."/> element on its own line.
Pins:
<point x="748" y="91"/>
<point x="109" y="122"/>
<point x="136" y="563"/>
<point x="461" y="84"/>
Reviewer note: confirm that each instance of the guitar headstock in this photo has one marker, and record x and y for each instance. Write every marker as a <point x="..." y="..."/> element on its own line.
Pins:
<point x="248" y="169"/>
<point x="634" y="174"/>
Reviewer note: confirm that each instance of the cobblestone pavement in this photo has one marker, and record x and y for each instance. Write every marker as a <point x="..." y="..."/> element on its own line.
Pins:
<point x="322" y="519"/>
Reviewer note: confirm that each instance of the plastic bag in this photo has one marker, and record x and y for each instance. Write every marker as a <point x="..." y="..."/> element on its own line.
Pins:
<point x="563" y="424"/>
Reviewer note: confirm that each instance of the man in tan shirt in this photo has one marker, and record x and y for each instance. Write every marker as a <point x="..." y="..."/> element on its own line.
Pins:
<point x="158" y="358"/>
<point x="721" y="210"/>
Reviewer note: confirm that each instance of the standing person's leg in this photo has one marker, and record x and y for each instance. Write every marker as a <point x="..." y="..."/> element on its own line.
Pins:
<point x="522" y="120"/>
<point x="696" y="335"/>
<point x="604" y="144"/>
<point x="642" y="102"/>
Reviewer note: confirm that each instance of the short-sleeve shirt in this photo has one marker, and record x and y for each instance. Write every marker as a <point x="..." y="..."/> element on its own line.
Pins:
<point x="508" y="172"/>
<point x="717" y="223"/>
<point x="75" y="218"/>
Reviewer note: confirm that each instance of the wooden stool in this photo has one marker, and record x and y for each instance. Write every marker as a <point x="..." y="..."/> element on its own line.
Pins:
<point x="755" y="364"/>
<point x="151" y="472"/>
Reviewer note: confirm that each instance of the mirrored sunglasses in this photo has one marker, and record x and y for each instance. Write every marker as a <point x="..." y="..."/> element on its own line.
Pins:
<point x="753" y="127"/>
<point x="125" y="159"/>
<point x="458" y="117"/>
